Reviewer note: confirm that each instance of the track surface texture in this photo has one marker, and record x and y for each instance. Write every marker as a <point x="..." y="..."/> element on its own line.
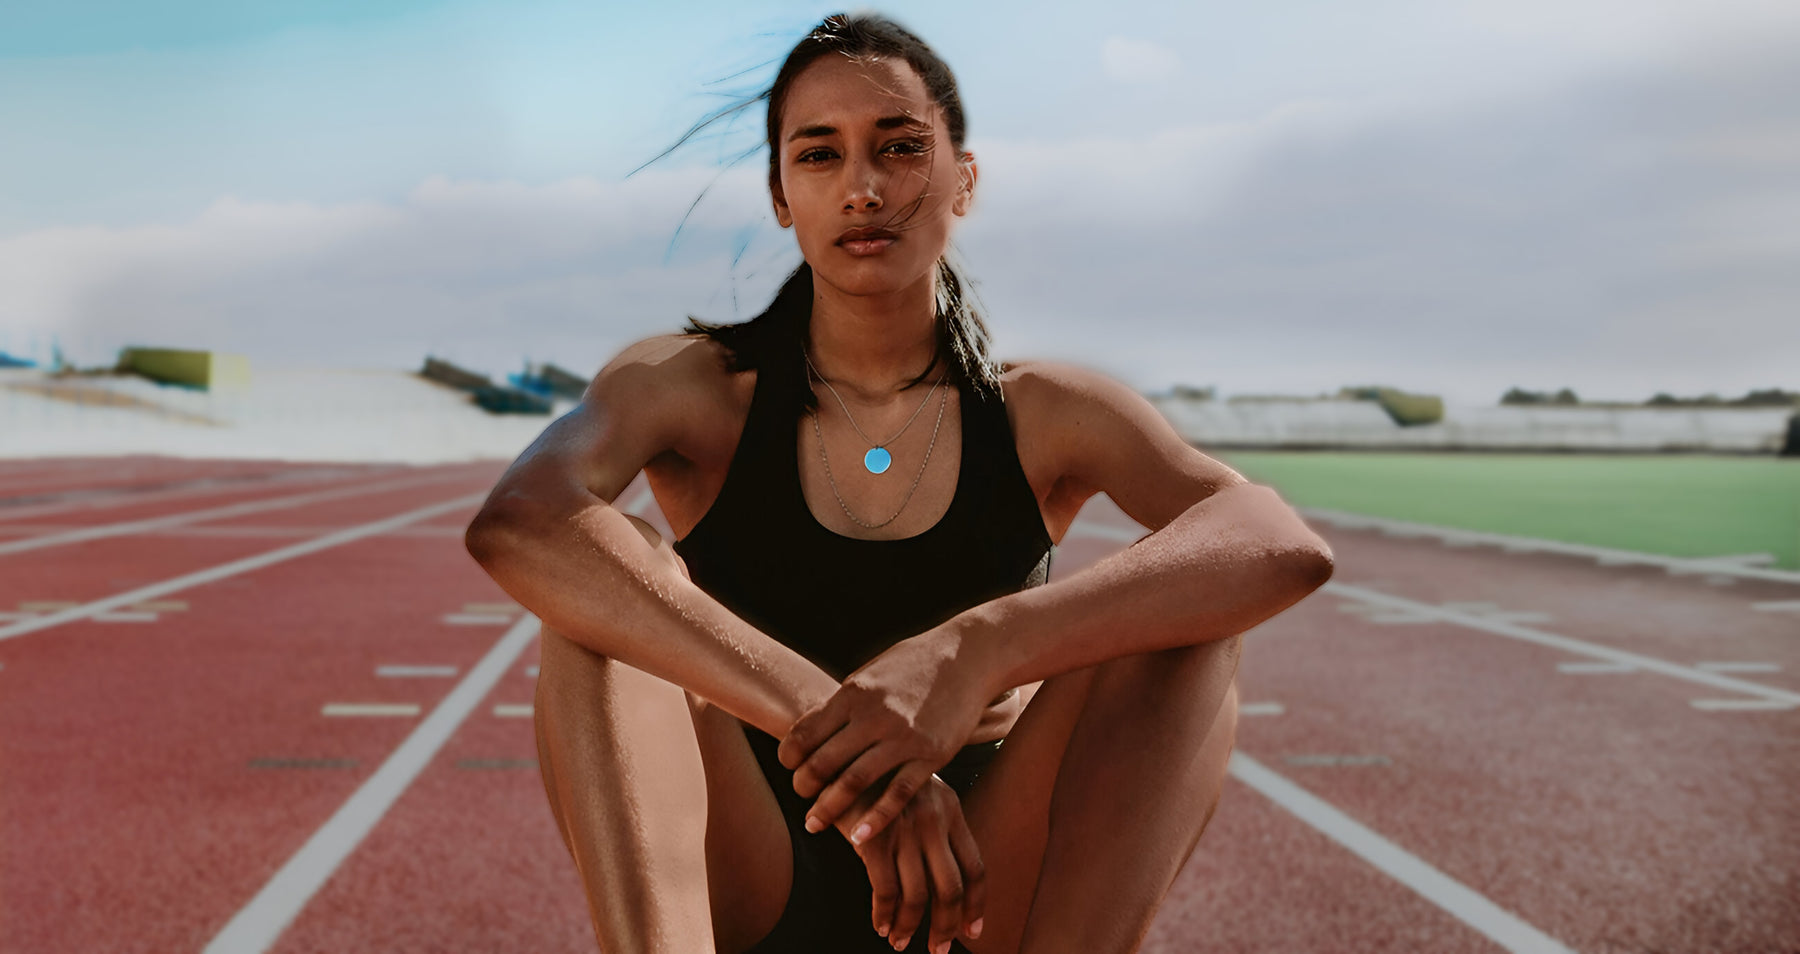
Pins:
<point x="256" y="706"/>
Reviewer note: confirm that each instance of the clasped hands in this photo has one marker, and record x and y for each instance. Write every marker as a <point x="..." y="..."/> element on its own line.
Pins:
<point x="904" y="714"/>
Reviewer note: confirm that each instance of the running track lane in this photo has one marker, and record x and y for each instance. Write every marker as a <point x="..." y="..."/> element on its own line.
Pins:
<point x="1482" y="771"/>
<point x="186" y="727"/>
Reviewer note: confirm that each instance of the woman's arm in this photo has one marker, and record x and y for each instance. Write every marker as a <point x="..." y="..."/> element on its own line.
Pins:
<point x="1224" y="555"/>
<point x="550" y="536"/>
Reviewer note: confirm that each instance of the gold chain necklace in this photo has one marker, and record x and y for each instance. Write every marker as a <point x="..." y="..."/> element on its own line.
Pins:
<point x="876" y="459"/>
<point x="909" y="491"/>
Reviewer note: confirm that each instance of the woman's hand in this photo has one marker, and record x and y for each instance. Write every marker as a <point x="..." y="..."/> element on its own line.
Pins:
<point x="927" y="852"/>
<point x="911" y="707"/>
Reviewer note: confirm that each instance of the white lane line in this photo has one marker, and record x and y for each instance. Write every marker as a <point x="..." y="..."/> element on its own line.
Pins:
<point x="1261" y="709"/>
<point x="1605" y="556"/>
<point x="125" y="616"/>
<point x="1567" y="644"/>
<point x="257" y="926"/>
<point x="1589" y="668"/>
<point x="1738" y="666"/>
<point x="1777" y="606"/>
<point x="377" y="709"/>
<point x="237" y="532"/>
<point x="477" y="619"/>
<point x="1740" y="705"/>
<point x="414" y="672"/>
<point x="513" y="711"/>
<point x="531" y="671"/>
<point x="209" y="487"/>
<point x="1334" y="760"/>
<point x="1458" y="900"/>
<point x="235" y="567"/>
<point x="214" y="513"/>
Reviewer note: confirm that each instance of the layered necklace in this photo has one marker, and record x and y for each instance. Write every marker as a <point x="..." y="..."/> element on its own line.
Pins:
<point x="877" y="459"/>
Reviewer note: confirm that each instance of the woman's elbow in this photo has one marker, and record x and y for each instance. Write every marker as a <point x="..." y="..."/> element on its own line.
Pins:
<point x="1310" y="563"/>
<point x="491" y="534"/>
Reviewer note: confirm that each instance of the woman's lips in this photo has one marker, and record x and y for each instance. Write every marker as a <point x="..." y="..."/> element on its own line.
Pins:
<point x="866" y="246"/>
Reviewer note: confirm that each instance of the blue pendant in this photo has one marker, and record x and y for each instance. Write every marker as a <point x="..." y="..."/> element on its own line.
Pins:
<point x="877" y="460"/>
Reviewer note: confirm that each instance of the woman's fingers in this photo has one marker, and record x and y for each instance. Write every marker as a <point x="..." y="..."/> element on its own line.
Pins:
<point x="974" y="873"/>
<point x="947" y="887"/>
<point x="823" y="765"/>
<point x="911" y="778"/>
<point x="884" y="878"/>
<point x="915" y="885"/>
<point x="810" y="731"/>
<point x="849" y="785"/>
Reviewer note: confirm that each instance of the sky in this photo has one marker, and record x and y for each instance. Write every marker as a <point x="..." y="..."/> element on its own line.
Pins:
<point x="1453" y="197"/>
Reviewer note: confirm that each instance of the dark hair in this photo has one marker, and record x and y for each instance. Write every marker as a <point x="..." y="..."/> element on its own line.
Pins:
<point x="771" y="342"/>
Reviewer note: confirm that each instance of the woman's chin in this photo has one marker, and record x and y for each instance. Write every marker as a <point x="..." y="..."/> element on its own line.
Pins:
<point x="872" y="275"/>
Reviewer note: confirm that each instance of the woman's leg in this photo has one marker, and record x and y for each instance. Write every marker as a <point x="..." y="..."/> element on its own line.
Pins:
<point x="1099" y="795"/>
<point x="672" y="853"/>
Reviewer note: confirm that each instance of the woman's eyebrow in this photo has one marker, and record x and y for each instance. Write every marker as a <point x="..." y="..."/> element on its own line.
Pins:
<point x="885" y="122"/>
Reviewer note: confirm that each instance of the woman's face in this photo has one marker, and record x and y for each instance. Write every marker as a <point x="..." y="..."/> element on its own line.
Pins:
<point x="869" y="179"/>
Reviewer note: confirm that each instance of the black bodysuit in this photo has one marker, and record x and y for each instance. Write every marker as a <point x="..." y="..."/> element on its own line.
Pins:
<point x="841" y="601"/>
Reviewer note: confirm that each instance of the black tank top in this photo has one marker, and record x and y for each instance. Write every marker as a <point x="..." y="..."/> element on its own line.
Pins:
<point x="840" y="601"/>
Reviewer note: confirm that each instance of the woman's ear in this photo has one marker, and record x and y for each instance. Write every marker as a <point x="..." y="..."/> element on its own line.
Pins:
<point x="965" y="189"/>
<point x="782" y="215"/>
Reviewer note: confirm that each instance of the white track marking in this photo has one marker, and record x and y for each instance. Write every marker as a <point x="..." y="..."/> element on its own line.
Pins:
<point x="125" y="616"/>
<point x="513" y="711"/>
<point x="1567" y="644"/>
<point x="477" y="619"/>
<point x="1606" y="556"/>
<point x="1337" y="760"/>
<point x="370" y="709"/>
<point x="283" y="481"/>
<point x="1738" y="666"/>
<point x="1777" y="606"/>
<point x="1740" y="705"/>
<point x="240" y="532"/>
<point x="1592" y="668"/>
<point x="1261" y="709"/>
<point x="507" y="608"/>
<point x="259" y="924"/>
<point x="531" y="671"/>
<point x="1458" y="900"/>
<point x="414" y="672"/>
<point x="133" y="527"/>
<point x="235" y="567"/>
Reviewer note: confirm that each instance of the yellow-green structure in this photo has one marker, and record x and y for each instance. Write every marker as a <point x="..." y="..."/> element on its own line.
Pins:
<point x="196" y="369"/>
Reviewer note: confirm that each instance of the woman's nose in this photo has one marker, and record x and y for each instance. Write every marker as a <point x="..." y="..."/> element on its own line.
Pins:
<point x="863" y="188"/>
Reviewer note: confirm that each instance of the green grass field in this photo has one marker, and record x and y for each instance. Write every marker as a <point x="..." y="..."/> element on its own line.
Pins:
<point x="1679" y="505"/>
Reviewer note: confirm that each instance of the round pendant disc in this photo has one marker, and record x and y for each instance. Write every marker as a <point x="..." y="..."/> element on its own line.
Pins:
<point x="877" y="460"/>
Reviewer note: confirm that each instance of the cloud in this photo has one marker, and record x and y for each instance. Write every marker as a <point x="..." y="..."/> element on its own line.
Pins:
<point x="1138" y="61"/>
<point x="1622" y="233"/>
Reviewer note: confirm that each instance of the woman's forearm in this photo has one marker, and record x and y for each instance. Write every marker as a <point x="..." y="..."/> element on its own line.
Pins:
<point x="586" y="572"/>
<point x="1226" y="564"/>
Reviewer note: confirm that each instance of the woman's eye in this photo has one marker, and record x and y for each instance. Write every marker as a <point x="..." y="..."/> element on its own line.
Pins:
<point x="909" y="147"/>
<point x="814" y="155"/>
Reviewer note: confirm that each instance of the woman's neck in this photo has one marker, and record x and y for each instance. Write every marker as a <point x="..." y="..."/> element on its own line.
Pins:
<point x="873" y="345"/>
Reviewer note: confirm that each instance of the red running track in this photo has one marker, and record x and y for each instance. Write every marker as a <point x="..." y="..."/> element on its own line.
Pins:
<point x="163" y="762"/>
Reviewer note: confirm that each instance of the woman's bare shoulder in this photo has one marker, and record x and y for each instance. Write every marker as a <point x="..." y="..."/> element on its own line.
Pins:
<point x="672" y="362"/>
<point x="684" y="383"/>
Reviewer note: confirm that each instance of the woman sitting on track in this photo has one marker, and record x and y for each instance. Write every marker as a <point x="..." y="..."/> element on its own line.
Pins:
<point x="856" y="604"/>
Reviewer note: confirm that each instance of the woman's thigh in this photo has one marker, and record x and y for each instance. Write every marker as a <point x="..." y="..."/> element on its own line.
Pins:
<point x="749" y="855"/>
<point x="1008" y="810"/>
